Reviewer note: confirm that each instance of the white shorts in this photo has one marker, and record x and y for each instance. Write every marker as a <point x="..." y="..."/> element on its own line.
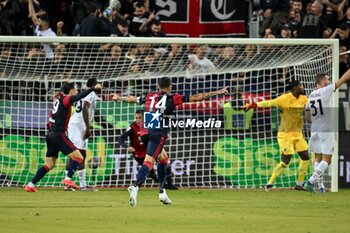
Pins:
<point x="76" y="134"/>
<point x="322" y="143"/>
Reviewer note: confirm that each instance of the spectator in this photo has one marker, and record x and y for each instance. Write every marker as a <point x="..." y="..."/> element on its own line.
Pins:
<point x="346" y="17"/>
<point x="198" y="62"/>
<point x="156" y="29"/>
<point x="122" y="29"/>
<point x="226" y="58"/>
<point x="313" y="26"/>
<point x="79" y="9"/>
<point x="60" y="52"/>
<point x="342" y="33"/>
<point x="60" y="11"/>
<point x="275" y="13"/>
<point x="286" y="32"/>
<point x="343" y="60"/>
<point x="249" y="53"/>
<point x="176" y="59"/>
<point x="42" y="29"/>
<point x="132" y="52"/>
<point x="59" y="28"/>
<point x="297" y="6"/>
<point x="330" y="14"/>
<point x="116" y="60"/>
<point x="139" y="20"/>
<point x="269" y="34"/>
<point x="9" y="9"/>
<point x="127" y="8"/>
<point x="144" y="50"/>
<point x="93" y="25"/>
<point x="294" y="21"/>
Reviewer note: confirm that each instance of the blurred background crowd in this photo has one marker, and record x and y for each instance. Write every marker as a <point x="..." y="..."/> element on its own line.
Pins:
<point x="140" y="18"/>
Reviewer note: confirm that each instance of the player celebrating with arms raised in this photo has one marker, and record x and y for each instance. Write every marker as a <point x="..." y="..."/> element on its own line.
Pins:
<point x="290" y="137"/>
<point x="162" y="104"/>
<point x="56" y="138"/>
<point x="322" y="131"/>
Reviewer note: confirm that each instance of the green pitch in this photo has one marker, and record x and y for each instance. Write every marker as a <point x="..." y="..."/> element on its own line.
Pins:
<point x="52" y="210"/>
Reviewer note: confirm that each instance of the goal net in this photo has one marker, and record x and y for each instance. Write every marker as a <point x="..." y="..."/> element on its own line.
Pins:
<point x="239" y="152"/>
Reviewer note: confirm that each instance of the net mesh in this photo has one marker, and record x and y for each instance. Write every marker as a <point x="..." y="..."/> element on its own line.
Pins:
<point x="242" y="153"/>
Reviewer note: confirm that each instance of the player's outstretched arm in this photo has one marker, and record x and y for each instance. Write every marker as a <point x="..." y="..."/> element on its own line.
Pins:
<point x="263" y="104"/>
<point x="128" y="99"/>
<point x="204" y="96"/>
<point x="83" y="94"/>
<point x="343" y="79"/>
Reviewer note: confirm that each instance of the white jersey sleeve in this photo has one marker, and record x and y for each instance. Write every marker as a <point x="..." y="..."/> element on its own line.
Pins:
<point x="328" y="90"/>
<point x="92" y="100"/>
<point x="77" y="117"/>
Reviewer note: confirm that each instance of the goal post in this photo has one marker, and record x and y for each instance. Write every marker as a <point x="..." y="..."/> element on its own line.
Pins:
<point x="241" y="153"/>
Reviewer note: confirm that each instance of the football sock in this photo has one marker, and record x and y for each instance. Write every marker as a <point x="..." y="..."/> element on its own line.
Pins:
<point x="303" y="166"/>
<point x="320" y="179"/>
<point x="161" y="170"/>
<point x="82" y="175"/>
<point x="322" y="166"/>
<point x="71" y="169"/>
<point x="168" y="176"/>
<point x="153" y="175"/>
<point x="143" y="173"/>
<point x="82" y="164"/>
<point x="315" y="165"/>
<point x="40" y="174"/>
<point x="277" y="171"/>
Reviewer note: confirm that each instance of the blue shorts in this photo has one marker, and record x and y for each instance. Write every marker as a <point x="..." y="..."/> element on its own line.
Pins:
<point x="154" y="144"/>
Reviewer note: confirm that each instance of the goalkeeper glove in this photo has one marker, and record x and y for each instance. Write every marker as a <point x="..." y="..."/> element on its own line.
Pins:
<point x="251" y="105"/>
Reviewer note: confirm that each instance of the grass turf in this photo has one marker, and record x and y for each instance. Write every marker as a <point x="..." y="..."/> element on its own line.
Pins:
<point x="52" y="210"/>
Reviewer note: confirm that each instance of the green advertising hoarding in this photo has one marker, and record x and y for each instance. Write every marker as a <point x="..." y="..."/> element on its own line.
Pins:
<point x="249" y="162"/>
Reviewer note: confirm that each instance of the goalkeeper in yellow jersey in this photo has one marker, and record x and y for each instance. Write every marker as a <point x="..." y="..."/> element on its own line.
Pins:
<point x="290" y="137"/>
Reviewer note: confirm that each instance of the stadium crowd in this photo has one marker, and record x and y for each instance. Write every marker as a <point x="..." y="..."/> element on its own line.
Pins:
<point x="132" y="18"/>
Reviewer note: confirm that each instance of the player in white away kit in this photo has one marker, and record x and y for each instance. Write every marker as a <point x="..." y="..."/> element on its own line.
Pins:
<point x="322" y="131"/>
<point x="79" y="130"/>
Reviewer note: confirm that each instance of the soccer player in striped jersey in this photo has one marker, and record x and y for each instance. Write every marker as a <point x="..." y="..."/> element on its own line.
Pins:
<point x="79" y="131"/>
<point x="57" y="139"/>
<point x="290" y="136"/>
<point x="322" y="132"/>
<point x="161" y="104"/>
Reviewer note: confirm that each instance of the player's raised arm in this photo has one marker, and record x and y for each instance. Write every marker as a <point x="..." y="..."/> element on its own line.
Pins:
<point x="204" y="96"/>
<point x="263" y="104"/>
<point x="83" y="94"/>
<point x="343" y="79"/>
